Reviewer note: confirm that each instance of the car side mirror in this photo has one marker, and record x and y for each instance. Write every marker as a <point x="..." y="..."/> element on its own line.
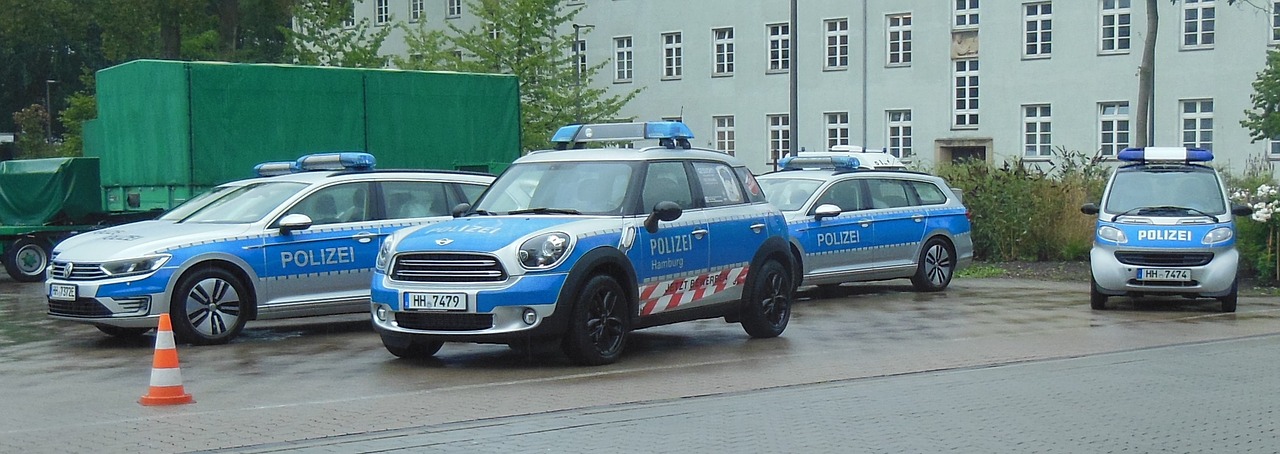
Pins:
<point x="1089" y="208"/>
<point x="662" y="211"/>
<point x="295" y="221"/>
<point x="1241" y="210"/>
<point x="460" y="208"/>
<point x="826" y="210"/>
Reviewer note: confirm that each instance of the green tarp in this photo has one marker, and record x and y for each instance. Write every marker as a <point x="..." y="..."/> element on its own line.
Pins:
<point x="42" y="191"/>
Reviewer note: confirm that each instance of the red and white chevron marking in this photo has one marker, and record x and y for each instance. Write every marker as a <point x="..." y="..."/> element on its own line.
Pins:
<point x="667" y="295"/>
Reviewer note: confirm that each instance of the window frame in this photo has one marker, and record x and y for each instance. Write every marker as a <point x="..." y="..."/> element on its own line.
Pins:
<point x="1114" y="120"/>
<point x="903" y="29"/>
<point x="453" y="9"/>
<point x="722" y="48"/>
<point x="837" y="127"/>
<point x="964" y="14"/>
<point x="1123" y="32"/>
<point x="1203" y="39"/>
<point x="837" y="44"/>
<point x="778" y="138"/>
<point x="1041" y="118"/>
<point x="624" y="59"/>
<point x="725" y="136"/>
<point x="968" y="81"/>
<point x="672" y="55"/>
<point x="1037" y="43"/>
<point x="1203" y="137"/>
<point x="778" y="48"/>
<point x="898" y="130"/>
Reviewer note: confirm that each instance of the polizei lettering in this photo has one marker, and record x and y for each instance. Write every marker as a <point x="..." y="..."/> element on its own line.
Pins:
<point x="837" y="238"/>
<point x="1164" y="235"/>
<point x="318" y="257"/>
<point x="670" y="244"/>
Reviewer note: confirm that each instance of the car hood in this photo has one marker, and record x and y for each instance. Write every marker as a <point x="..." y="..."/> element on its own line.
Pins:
<point x="491" y="233"/>
<point x="140" y="239"/>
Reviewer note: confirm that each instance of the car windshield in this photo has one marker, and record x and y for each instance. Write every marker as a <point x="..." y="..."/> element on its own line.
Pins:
<point x="560" y="188"/>
<point x="247" y="203"/>
<point x="190" y="206"/>
<point x="1167" y="192"/>
<point x="788" y="194"/>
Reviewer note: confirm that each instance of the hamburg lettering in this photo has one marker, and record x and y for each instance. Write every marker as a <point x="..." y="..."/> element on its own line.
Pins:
<point x="318" y="257"/>
<point x="1164" y="235"/>
<point x="670" y="244"/>
<point x="668" y="263"/>
<point x="837" y="238"/>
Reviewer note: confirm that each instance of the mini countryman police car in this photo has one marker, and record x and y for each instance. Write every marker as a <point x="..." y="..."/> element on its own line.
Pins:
<point x="582" y="246"/>
<point x="1165" y="227"/>
<point x="851" y="222"/>
<point x="299" y="242"/>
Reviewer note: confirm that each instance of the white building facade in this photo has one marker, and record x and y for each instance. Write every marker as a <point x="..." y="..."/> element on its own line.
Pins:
<point x="930" y="80"/>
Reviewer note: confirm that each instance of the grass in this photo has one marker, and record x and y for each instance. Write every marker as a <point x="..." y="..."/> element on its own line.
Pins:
<point x="981" y="271"/>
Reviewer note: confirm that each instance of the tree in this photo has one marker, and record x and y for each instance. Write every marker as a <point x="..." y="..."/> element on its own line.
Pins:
<point x="324" y="33"/>
<point x="1263" y="121"/>
<point x="520" y="37"/>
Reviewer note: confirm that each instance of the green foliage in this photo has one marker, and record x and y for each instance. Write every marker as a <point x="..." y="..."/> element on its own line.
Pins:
<point x="981" y="270"/>
<point x="82" y="106"/>
<point x="325" y="34"/>
<point x="520" y="37"/>
<point x="1025" y="210"/>
<point x="1263" y="121"/>
<point x="32" y="138"/>
<point x="1257" y="236"/>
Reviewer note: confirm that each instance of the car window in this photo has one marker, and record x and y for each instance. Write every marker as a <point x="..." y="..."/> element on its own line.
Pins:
<point x="754" y="193"/>
<point x="247" y="203"/>
<point x="336" y="204"/>
<point x="886" y="193"/>
<point x="789" y="194"/>
<point x="666" y="181"/>
<point x="472" y="191"/>
<point x="415" y="199"/>
<point x="719" y="184"/>
<point x="845" y="194"/>
<point x="929" y="193"/>
<point x="195" y="203"/>
<point x="587" y="187"/>
<point x="1182" y="188"/>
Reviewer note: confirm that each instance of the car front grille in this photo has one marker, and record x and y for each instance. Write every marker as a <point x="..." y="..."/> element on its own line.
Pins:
<point x="447" y="267"/>
<point x="1165" y="258"/>
<point x="83" y="307"/>
<point x="435" y="321"/>
<point x="76" y="271"/>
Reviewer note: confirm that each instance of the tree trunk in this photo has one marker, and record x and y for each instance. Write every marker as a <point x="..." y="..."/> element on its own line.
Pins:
<point x="170" y="29"/>
<point x="1147" y="77"/>
<point x="228" y="27"/>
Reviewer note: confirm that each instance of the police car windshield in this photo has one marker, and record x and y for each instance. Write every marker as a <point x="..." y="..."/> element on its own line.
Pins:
<point x="247" y="203"/>
<point x="190" y="206"/>
<point x="788" y="194"/>
<point x="1166" y="192"/>
<point x="560" y="188"/>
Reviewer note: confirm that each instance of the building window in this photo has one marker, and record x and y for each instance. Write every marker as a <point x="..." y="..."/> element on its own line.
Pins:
<point x="779" y="47"/>
<point x="779" y="137"/>
<point x="1197" y="123"/>
<point x="672" y="56"/>
<point x="837" y="43"/>
<point x="580" y="50"/>
<point x="1037" y="129"/>
<point x="899" y="134"/>
<point x="966" y="93"/>
<point x="1038" y="28"/>
<point x="899" y="40"/>
<point x="837" y="129"/>
<point x="381" y="12"/>
<point x="1113" y="121"/>
<point x="1275" y="22"/>
<point x="1197" y="24"/>
<point x="722" y="48"/>
<point x="966" y="14"/>
<point x="1273" y="148"/>
<point x="1116" y="27"/>
<point x="415" y="10"/>
<point x="724" y="134"/>
<point x="350" y="20"/>
<point x="622" y="59"/>
<point x="453" y="8"/>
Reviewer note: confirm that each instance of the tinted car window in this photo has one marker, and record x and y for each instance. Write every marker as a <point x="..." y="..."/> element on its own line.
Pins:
<point x="888" y="193"/>
<point x="336" y="204"/>
<point x="846" y="194"/>
<point x="928" y="193"/>
<point x="754" y="193"/>
<point x="415" y="199"/>
<point x="472" y="191"/>
<point x="719" y="184"/>
<point x="666" y="181"/>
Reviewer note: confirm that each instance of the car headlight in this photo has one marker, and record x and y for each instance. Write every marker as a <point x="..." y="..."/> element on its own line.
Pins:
<point x="1112" y="234"/>
<point x="1218" y="235"/>
<point x="383" y="262"/>
<point x="544" y="251"/>
<point x="134" y="267"/>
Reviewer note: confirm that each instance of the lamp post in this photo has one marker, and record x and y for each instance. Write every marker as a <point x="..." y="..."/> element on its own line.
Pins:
<point x="577" y="71"/>
<point x="48" y="113"/>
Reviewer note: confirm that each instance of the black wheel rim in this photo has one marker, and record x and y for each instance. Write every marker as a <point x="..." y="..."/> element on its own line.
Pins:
<point x="776" y="303"/>
<point x="604" y="321"/>
<point x="937" y="265"/>
<point x="213" y="307"/>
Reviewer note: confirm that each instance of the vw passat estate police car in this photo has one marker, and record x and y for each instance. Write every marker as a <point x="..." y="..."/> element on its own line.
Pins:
<point x="299" y="243"/>
<point x="851" y="221"/>
<point x="1165" y="226"/>
<point x="585" y="245"/>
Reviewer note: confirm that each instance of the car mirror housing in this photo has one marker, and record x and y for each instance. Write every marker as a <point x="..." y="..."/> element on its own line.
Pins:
<point x="662" y="211"/>
<point x="826" y="210"/>
<point x="1089" y="208"/>
<point x="460" y="208"/>
<point x="295" y="221"/>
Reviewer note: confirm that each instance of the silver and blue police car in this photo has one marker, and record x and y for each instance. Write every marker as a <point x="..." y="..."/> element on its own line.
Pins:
<point x="1165" y="227"/>
<point x="856" y="215"/>
<point x="583" y="245"/>
<point x="298" y="241"/>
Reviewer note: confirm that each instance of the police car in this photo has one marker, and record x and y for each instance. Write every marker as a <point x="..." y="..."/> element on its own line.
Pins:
<point x="298" y="241"/>
<point x="855" y="216"/>
<point x="583" y="245"/>
<point x="1166" y="227"/>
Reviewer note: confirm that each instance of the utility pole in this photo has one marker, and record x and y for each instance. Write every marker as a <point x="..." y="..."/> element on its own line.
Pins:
<point x="48" y="112"/>
<point x="577" y="71"/>
<point x="795" y="83"/>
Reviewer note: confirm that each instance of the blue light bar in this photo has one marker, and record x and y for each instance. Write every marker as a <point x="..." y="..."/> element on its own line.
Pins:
<point x="820" y="161"/>
<point x="1165" y="154"/>
<point x="268" y="169"/>
<point x="337" y="161"/>
<point x="617" y="132"/>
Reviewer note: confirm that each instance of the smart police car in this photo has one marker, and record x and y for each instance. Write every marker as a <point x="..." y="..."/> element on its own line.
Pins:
<point x="850" y="221"/>
<point x="299" y="243"/>
<point x="586" y="245"/>
<point x="1165" y="227"/>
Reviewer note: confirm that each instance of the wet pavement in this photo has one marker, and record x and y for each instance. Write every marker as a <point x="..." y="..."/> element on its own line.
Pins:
<point x="68" y="387"/>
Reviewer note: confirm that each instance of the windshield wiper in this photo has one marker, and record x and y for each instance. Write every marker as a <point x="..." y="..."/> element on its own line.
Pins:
<point x="545" y="210"/>
<point x="1163" y="209"/>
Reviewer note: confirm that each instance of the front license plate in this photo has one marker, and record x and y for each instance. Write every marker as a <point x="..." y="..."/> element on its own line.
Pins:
<point x="436" y="301"/>
<point x="62" y="292"/>
<point x="1164" y="274"/>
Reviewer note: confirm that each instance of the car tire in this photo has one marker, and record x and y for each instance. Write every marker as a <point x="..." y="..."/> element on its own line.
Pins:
<point x="208" y="307"/>
<point x="410" y="348"/>
<point x="123" y="333"/>
<point x="767" y="307"/>
<point x="1229" y="301"/>
<point x="936" y="266"/>
<point x="1097" y="300"/>
<point x="598" y="323"/>
<point x="26" y="259"/>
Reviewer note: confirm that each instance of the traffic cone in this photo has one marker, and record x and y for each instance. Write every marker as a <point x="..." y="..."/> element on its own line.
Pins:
<point x="166" y="378"/>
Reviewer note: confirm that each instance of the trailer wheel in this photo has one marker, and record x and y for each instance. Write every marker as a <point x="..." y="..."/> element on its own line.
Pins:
<point x="26" y="259"/>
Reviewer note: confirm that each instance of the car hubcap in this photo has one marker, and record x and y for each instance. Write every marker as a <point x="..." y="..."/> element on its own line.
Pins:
<point x="213" y="306"/>
<point x="937" y="265"/>
<point x="775" y="301"/>
<point x="604" y="325"/>
<point x="31" y="259"/>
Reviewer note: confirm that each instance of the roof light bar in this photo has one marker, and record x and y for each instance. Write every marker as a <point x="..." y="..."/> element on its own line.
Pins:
<point x="268" y="169"/>
<point x="820" y="160"/>
<point x="1165" y="154"/>
<point x="667" y="131"/>
<point x="337" y="161"/>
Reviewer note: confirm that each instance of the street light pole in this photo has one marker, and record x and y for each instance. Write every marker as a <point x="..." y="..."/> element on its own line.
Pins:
<point x="48" y="113"/>
<point x="577" y="72"/>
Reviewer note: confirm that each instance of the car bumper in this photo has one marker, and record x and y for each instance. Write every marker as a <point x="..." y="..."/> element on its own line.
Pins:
<point x="496" y="312"/>
<point x="1115" y="277"/>
<point x="134" y="302"/>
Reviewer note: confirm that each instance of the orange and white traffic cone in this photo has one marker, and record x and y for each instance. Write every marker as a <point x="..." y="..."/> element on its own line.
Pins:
<point x="166" y="378"/>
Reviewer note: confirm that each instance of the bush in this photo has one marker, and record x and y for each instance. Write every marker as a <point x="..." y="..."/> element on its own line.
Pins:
<point x="1258" y="236"/>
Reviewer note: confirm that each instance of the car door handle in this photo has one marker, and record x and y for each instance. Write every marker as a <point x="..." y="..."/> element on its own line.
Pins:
<point x="917" y="217"/>
<point x="865" y="223"/>
<point x="699" y="233"/>
<point x="757" y="228"/>
<point x="365" y="237"/>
